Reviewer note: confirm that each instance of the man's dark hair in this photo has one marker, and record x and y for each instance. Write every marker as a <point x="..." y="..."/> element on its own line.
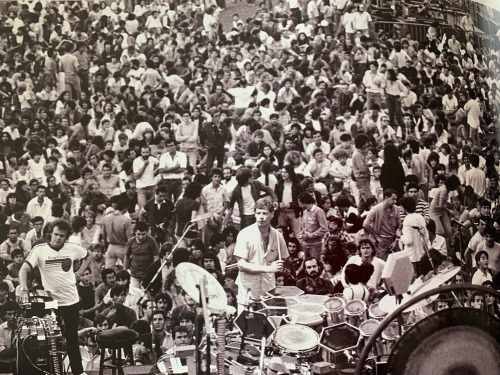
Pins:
<point x="408" y="204"/>
<point x="141" y="226"/>
<point x="123" y="275"/>
<point x="61" y="224"/>
<point x="306" y="198"/>
<point x="161" y="312"/>
<point x="9" y="306"/>
<point x="116" y="290"/>
<point x="105" y="272"/>
<point x="180" y="329"/>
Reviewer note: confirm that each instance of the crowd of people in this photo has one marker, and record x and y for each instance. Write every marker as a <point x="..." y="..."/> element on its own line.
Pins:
<point x="300" y="147"/>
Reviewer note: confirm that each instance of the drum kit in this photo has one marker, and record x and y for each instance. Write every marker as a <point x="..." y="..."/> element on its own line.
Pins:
<point x="295" y="331"/>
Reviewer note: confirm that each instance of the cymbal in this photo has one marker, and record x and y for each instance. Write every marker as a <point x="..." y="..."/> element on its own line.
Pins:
<point x="190" y="276"/>
<point x="435" y="281"/>
<point x="389" y="304"/>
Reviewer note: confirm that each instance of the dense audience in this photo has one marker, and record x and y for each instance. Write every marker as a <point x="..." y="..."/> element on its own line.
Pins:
<point x="147" y="126"/>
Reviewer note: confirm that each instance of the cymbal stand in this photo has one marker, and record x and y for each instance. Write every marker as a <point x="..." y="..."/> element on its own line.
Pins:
<point x="165" y="261"/>
<point x="208" y="328"/>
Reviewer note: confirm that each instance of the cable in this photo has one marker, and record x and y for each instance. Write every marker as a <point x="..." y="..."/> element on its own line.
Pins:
<point x="29" y="359"/>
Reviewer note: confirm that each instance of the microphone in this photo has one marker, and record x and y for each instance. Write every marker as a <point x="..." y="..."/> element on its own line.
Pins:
<point x="454" y="221"/>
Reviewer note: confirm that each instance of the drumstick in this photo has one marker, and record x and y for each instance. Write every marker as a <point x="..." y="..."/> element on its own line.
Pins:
<point x="262" y="352"/>
<point x="279" y="250"/>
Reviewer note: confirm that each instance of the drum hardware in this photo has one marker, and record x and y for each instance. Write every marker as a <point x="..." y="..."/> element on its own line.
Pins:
<point x="39" y="345"/>
<point x="338" y="341"/>
<point x="375" y="312"/>
<point x="202" y="286"/>
<point x="307" y="314"/>
<point x="285" y="291"/>
<point x="492" y="322"/>
<point x="367" y="328"/>
<point x="334" y="307"/>
<point x="355" y="312"/>
<point x="296" y="343"/>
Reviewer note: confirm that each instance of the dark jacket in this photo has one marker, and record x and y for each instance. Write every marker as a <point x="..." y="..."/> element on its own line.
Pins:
<point x="257" y="189"/>
<point x="322" y="286"/>
<point x="215" y="137"/>
<point x="296" y="190"/>
<point x="156" y="216"/>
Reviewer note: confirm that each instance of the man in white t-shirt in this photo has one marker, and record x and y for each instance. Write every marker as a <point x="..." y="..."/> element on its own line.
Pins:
<point x="243" y="96"/>
<point x="55" y="262"/>
<point x="144" y="168"/>
<point x="172" y="165"/>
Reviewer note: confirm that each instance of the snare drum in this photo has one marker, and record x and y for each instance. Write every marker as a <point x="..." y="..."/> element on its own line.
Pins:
<point x="375" y="312"/>
<point x="355" y="312"/>
<point x="296" y="338"/>
<point x="390" y="336"/>
<point x="334" y="307"/>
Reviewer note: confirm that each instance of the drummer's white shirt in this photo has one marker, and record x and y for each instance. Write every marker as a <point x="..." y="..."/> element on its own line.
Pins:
<point x="249" y="246"/>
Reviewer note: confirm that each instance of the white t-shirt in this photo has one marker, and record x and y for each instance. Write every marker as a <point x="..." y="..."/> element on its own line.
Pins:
<point x="56" y="269"/>
<point x="148" y="177"/>
<point x="167" y="161"/>
<point x="248" y="201"/>
<point x="242" y="96"/>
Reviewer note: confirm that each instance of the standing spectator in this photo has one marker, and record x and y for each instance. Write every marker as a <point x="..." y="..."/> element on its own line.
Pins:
<point x="362" y="21"/>
<point x="187" y="135"/>
<point x="69" y="65"/>
<point x="473" y="112"/>
<point x="314" y="226"/>
<point x="144" y="168"/>
<point x="215" y="199"/>
<point x="287" y="192"/>
<point x="214" y="136"/>
<point x="475" y="177"/>
<point x="440" y="210"/>
<point x="360" y="169"/>
<point x="375" y="84"/>
<point x="172" y="165"/>
<point x="158" y="213"/>
<point x="141" y="252"/>
<point x="392" y="175"/>
<point x="116" y="229"/>
<point x="246" y="194"/>
<point x="414" y="235"/>
<point x="383" y="224"/>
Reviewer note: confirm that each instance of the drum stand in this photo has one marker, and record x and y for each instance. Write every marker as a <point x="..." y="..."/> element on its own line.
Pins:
<point x="166" y="260"/>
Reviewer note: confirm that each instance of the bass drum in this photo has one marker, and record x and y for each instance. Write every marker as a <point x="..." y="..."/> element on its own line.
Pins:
<point x="451" y="341"/>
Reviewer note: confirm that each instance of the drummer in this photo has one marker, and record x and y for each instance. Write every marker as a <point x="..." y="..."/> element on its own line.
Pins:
<point x="261" y="251"/>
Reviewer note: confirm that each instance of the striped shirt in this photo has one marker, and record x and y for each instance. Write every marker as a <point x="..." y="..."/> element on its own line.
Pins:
<point x="422" y="209"/>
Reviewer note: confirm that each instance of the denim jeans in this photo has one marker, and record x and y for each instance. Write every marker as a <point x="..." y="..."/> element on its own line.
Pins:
<point x="113" y="253"/>
<point x="174" y="188"/>
<point x="144" y="194"/>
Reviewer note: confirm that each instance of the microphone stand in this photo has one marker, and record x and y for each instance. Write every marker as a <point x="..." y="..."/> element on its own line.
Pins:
<point x="166" y="260"/>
